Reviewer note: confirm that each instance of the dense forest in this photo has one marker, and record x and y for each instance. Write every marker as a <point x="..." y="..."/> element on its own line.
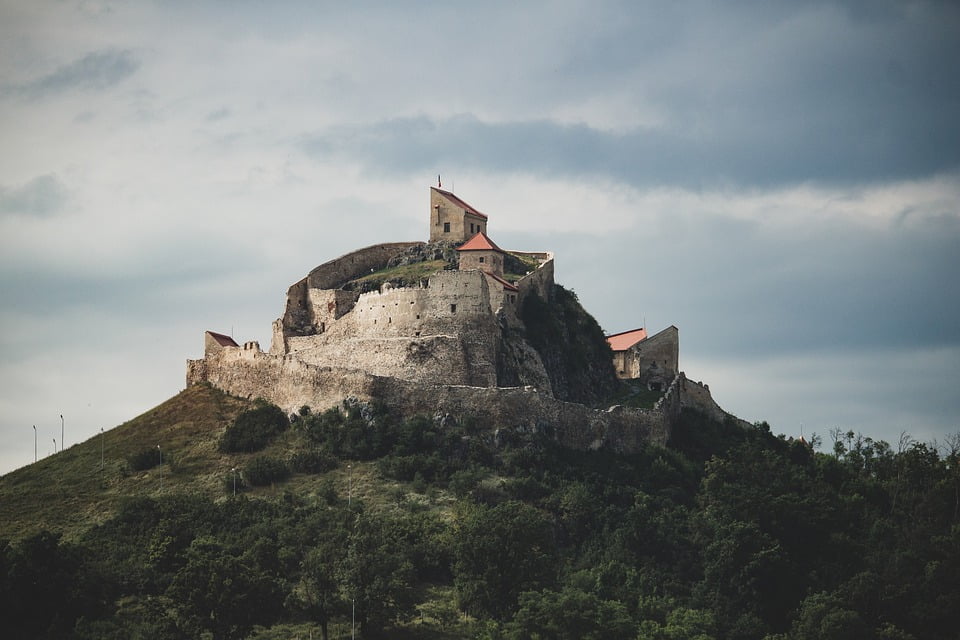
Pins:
<point x="494" y="533"/>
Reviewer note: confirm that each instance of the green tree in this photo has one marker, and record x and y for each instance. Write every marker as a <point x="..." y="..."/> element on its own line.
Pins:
<point x="220" y="592"/>
<point x="499" y="553"/>
<point x="570" y="614"/>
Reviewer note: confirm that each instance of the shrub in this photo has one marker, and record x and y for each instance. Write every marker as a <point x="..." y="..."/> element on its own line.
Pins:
<point x="312" y="461"/>
<point x="264" y="470"/>
<point x="145" y="459"/>
<point x="253" y="429"/>
<point x="233" y="483"/>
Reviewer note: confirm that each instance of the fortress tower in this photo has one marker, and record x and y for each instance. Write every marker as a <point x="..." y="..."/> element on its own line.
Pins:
<point x="452" y="219"/>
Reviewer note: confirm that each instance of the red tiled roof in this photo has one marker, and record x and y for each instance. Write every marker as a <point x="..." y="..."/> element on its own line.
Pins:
<point x="480" y="242"/>
<point x="460" y="203"/>
<point x="222" y="340"/>
<point x="506" y="285"/>
<point x="626" y="339"/>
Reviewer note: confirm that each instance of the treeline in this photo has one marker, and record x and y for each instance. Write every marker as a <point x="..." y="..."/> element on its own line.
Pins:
<point x="727" y="533"/>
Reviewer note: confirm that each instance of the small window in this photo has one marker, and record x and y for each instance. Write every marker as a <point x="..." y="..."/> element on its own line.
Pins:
<point x="471" y="227"/>
<point x="481" y="259"/>
<point x="446" y="227"/>
<point x="453" y="308"/>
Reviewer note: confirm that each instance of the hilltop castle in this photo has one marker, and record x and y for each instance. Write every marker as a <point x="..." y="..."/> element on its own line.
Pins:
<point x="441" y="327"/>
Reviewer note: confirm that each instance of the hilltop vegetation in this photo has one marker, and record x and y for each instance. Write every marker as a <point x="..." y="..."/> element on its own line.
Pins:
<point x="445" y="528"/>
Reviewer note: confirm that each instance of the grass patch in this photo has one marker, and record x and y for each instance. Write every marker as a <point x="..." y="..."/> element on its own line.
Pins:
<point x="402" y="276"/>
<point x="634" y="394"/>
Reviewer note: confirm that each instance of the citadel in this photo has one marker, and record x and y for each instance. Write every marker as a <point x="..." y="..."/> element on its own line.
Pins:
<point x="457" y="326"/>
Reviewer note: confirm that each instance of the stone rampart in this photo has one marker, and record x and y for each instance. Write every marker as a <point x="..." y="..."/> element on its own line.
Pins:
<point x="291" y="383"/>
<point x="332" y="274"/>
<point x="540" y="279"/>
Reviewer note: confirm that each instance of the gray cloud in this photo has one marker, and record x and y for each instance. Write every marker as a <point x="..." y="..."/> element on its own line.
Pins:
<point x="95" y="71"/>
<point x="830" y="154"/>
<point x="744" y="289"/>
<point x="42" y="196"/>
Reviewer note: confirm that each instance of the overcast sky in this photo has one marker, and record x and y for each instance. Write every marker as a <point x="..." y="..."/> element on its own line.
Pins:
<point x="780" y="180"/>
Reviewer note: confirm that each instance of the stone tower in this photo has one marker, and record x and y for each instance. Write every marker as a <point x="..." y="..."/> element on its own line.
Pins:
<point x="452" y="219"/>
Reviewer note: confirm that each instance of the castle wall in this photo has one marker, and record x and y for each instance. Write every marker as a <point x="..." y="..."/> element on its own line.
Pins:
<point x="332" y="274"/>
<point x="291" y="383"/>
<point x="443" y="332"/>
<point x="539" y="280"/>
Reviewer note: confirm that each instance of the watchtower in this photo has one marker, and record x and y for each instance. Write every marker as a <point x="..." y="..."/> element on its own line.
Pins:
<point x="452" y="219"/>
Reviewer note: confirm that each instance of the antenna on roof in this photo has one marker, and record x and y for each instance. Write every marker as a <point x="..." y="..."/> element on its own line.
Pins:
<point x="644" y="321"/>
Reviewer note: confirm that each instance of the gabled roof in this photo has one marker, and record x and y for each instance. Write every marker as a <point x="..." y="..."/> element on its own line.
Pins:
<point x="506" y="285"/>
<point x="626" y="339"/>
<point x="460" y="203"/>
<point x="222" y="340"/>
<point x="480" y="242"/>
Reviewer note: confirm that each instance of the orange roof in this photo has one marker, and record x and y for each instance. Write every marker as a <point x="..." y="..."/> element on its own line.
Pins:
<point x="460" y="203"/>
<point x="626" y="339"/>
<point x="222" y="340"/>
<point x="480" y="242"/>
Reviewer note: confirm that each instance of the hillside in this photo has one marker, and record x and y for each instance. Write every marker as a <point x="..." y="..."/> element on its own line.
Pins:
<point x="70" y="491"/>
<point x="448" y="528"/>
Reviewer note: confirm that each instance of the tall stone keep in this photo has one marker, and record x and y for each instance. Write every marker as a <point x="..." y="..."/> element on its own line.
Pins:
<point x="452" y="219"/>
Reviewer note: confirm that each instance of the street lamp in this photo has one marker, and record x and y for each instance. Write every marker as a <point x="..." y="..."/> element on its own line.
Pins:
<point x="349" y="484"/>
<point x="63" y="442"/>
<point x="54" y="446"/>
<point x="34" y="443"/>
<point x="161" y="467"/>
<point x="101" y="448"/>
<point x="234" y="481"/>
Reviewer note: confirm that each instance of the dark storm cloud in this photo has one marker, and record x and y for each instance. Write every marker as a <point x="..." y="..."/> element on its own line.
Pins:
<point x="94" y="71"/>
<point x="42" y="196"/>
<point x="834" y="154"/>
<point x="762" y="95"/>
<point x="746" y="289"/>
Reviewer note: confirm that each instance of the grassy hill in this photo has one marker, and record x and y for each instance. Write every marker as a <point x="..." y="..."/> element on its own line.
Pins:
<point x="70" y="491"/>
<point x="467" y="530"/>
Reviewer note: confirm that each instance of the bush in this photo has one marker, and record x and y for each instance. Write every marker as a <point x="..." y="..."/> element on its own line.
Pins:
<point x="233" y="483"/>
<point x="145" y="459"/>
<point x="264" y="470"/>
<point x="312" y="461"/>
<point x="253" y="429"/>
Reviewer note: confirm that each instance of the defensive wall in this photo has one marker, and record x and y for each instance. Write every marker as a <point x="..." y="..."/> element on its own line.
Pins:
<point x="540" y="279"/>
<point x="291" y="383"/>
<point x="441" y="330"/>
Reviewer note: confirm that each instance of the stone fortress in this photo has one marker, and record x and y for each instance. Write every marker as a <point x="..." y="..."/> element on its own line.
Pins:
<point x="437" y="328"/>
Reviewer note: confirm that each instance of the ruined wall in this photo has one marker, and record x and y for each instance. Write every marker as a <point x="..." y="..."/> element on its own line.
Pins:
<point x="540" y="279"/>
<point x="290" y="384"/>
<point x="444" y="331"/>
<point x="696" y="395"/>
<point x="315" y="301"/>
<point x="332" y="274"/>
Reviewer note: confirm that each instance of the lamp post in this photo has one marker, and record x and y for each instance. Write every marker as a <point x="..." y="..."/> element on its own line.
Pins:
<point x="101" y="448"/>
<point x="234" y="481"/>
<point x="161" y="467"/>
<point x="63" y="442"/>
<point x="54" y="446"/>
<point x="34" y="443"/>
<point x="349" y="484"/>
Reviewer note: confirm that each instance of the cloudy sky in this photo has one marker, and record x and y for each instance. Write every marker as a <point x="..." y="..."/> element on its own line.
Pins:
<point x="780" y="180"/>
